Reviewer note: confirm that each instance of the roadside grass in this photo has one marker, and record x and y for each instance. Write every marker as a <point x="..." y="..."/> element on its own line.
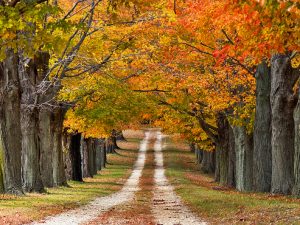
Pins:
<point x="33" y="206"/>
<point x="219" y="205"/>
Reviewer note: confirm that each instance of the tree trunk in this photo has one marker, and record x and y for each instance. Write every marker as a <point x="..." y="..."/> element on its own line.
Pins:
<point x="208" y="162"/>
<point x="199" y="154"/>
<point x="31" y="73"/>
<point x="85" y="158"/>
<point x="46" y="146"/>
<point x="217" y="164"/>
<point x="91" y="157"/>
<point x="2" y="188"/>
<point x="226" y="154"/>
<point x="51" y="160"/>
<point x="95" y="156"/>
<point x="231" y="159"/>
<point x="223" y="163"/>
<point x="223" y="148"/>
<point x="76" y="159"/>
<point x="67" y="155"/>
<point x="192" y="147"/>
<point x="59" y="176"/>
<point x="244" y="159"/>
<point x="296" y="189"/>
<point x="10" y="127"/>
<point x="32" y="181"/>
<point x="262" y="151"/>
<point x="114" y="135"/>
<point x="98" y="154"/>
<point x="109" y="145"/>
<point x="283" y="79"/>
<point x="103" y="150"/>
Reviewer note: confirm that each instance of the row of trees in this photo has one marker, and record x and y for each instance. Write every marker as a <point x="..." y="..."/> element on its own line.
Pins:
<point x="265" y="159"/>
<point x="84" y="157"/>
<point x="225" y="74"/>
<point x="47" y="47"/>
<point x="235" y="69"/>
<point x="31" y="118"/>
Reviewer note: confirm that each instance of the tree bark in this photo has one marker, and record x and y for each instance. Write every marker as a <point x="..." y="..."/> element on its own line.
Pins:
<point x="217" y="164"/>
<point x="10" y="127"/>
<point x="85" y="158"/>
<point x="283" y="79"/>
<point x="32" y="181"/>
<point x="192" y="147"/>
<point x="59" y="176"/>
<point x="2" y="188"/>
<point x="109" y="145"/>
<point x="223" y="148"/>
<point x="46" y="146"/>
<point x="76" y="159"/>
<point x="98" y="154"/>
<point x="296" y="189"/>
<point x="50" y="136"/>
<point x="103" y="150"/>
<point x="244" y="159"/>
<point x="231" y="159"/>
<point x="208" y="162"/>
<point x="91" y="154"/>
<point x="114" y="140"/>
<point x="199" y="154"/>
<point x="67" y="155"/>
<point x="262" y="150"/>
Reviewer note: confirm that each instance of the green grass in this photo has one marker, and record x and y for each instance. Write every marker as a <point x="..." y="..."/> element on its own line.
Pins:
<point x="36" y="206"/>
<point x="229" y="206"/>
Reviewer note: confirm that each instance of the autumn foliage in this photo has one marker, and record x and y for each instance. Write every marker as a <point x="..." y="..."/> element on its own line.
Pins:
<point x="190" y="67"/>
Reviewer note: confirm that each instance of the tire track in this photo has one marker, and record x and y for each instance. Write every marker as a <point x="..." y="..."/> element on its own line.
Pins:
<point x="167" y="207"/>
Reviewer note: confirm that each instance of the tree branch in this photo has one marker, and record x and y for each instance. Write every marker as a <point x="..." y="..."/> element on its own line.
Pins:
<point x="152" y="90"/>
<point x="204" y="125"/>
<point x="226" y="35"/>
<point x="133" y="75"/>
<point x="197" y="49"/>
<point x="242" y="65"/>
<point x="174" y="7"/>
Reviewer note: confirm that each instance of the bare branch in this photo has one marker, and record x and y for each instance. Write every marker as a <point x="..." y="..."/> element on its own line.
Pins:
<point x="132" y="22"/>
<point x="72" y="9"/>
<point x="236" y="61"/>
<point x="226" y="35"/>
<point x="152" y="90"/>
<point x="133" y="75"/>
<point x="197" y="49"/>
<point x="207" y="46"/>
<point x="174" y="7"/>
